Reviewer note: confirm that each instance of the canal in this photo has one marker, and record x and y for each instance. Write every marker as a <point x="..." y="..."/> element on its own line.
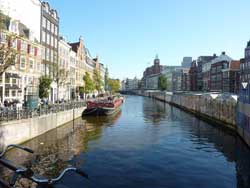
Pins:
<point x="148" y="144"/>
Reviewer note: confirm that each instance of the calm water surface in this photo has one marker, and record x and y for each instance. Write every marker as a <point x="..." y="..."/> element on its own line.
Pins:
<point x="148" y="144"/>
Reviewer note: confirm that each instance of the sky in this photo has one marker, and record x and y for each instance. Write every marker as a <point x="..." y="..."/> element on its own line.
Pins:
<point x="127" y="34"/>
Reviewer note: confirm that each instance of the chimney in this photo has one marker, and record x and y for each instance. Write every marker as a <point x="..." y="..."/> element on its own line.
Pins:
<point x="223" y="53"/>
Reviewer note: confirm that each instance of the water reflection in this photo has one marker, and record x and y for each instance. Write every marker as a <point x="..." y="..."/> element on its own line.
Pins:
<point x="149" y="144"/>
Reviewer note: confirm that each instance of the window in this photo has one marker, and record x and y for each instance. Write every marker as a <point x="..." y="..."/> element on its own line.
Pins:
<point x="48" y="38"/>
<point x="56" y="30"/>
<point x="7" y="93"/>
<point x="3" y="37"/>
<point x="51" y="56"/>
<point x="48" y="25"/>
<point x="7" y="80"/>
<point x="13" y="81"/>
<point x="47" y="54"/>
<point x="52" y="41"/>
<point x="55" y="43"/>
<point x="43" y="36"/>
<point x="23" y="46"/>
<point x="44" y="22"/>
<point x="14" y="44"/>
<point x="31" y="64"/>
<point x="38" y="66"/>
<point x="44" y="54"/>
<point x="32" y="50"/>
<point x="13" y="93"/>
<point x="52" y="27"/>
<point x="22" y="63"/>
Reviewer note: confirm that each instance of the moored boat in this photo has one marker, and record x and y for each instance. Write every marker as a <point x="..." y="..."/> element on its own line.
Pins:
<point x="108" y="106"/>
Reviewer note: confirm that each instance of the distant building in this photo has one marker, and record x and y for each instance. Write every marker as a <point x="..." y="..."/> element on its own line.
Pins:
<point x="218" y="65"/>
<point x="21" y="78"/>
<point x="185" y="80"/>
<point x="152" y="82"/>
<point x="186" y="62"/>
<point x="151" y="74"/>
<point x="132" y="84"/>
<point x="154" y="69"/>
<point x="176" y="79"/>
<point x="193" y="75"/>
<point x="231" y="77"/>
<point x="201" y="62"/>
<point x="168" y="73"/>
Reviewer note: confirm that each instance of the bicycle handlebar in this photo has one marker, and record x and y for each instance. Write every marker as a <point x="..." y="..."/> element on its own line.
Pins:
<point x="16" y="146"/>
<point x="55" y="180"/>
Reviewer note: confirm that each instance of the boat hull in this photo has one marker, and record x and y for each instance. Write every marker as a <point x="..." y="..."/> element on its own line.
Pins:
<point x="101" y="111"/>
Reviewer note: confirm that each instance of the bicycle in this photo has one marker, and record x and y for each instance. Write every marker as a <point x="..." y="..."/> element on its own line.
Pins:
<point x="20" y="171"/>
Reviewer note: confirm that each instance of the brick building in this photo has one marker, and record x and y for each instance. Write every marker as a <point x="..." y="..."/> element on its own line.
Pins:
<point x="193" y="73"/>
<point x="216" y="75"/>
<point x="201" y="62"/>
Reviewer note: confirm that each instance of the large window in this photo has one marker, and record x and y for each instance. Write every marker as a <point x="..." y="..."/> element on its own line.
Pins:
<point x="7" y="80"/>
<point x="44" y="22"/>
<point x="48" y="25"/>
<point x="52" y="41"/>
<point x="13" y="81"/>
<point x="56" y="30"/>
<point x="13" y="93"/>
<point x="48" y="38"/>
<point x="47" y="54"/>
<point x="23" y="46"/>
<point x="43" y="36"/>
<point x="22" y="63"/>
<point x="31" y="64"/>
<point x="7" y="93"/>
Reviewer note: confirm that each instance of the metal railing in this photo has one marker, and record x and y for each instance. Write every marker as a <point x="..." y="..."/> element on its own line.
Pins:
<point x="8" y="114"/>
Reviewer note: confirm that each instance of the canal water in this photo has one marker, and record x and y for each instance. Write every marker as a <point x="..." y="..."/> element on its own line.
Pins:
<point x="148" y="144"/>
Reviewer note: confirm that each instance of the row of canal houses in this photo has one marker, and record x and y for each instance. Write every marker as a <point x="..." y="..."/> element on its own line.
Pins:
<point x="42" y="50"/>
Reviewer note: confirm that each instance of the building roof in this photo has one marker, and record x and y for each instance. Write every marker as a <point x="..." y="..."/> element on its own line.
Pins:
<point x="74" y="46"/>
<point x="222" y="57"/>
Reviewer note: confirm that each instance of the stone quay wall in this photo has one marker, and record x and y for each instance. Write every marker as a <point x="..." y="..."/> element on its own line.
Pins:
<point x="217" y="108"/>
<point x="19" y="131"/>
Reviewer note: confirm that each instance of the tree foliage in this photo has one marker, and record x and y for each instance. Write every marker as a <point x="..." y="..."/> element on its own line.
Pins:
<point x="97" y="80"/>
<point x="106" y="79"/>
<point x="88" y="83"/>
<point x="7" y="52"/>
<point x="44" y="86"/>
<point x="114" y="85"/>
<point x="162" y="82"/>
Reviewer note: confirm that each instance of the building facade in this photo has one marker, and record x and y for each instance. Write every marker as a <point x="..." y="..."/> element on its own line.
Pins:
<point x="176" y="79"/>
<point x="201" y="62"/>
<point x="21" y="78"/>
<point x="27" y="12"/>
<point x="64" y="70"/>
<point x="186" y="62"/>
<point x="231" y="78"/>
<point x="216" y="76"/>
<point x="193" y="75"/>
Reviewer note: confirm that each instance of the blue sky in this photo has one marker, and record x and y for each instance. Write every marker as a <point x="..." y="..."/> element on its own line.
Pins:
<point x="127" y="34"/>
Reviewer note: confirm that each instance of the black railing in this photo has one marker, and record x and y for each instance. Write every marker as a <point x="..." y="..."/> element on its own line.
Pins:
<point x="8" y="114"/>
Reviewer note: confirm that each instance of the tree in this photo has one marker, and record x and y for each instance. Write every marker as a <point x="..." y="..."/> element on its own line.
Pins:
<point x="97" y="80"/>
<point x="88" y="83"/>
<point x="44" y="86"/>
<point x="7" y="53"/>
<point x="162" y="82"/>
<point x="61" y="76"/>
<point x="106" y="79"/>
<point x="114" y="85"/>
